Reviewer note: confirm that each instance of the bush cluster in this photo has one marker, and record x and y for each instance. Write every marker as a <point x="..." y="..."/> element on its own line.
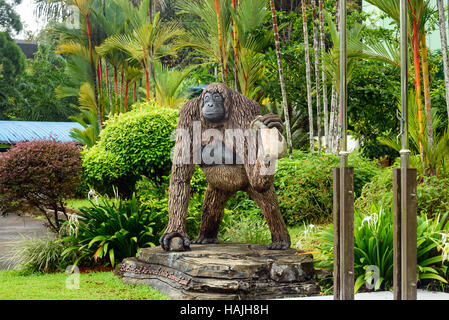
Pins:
<point x="432" y="194"/>
<point x="304" y="184"/>
<point x="132" y="145"/>
<point x="40" y="175"/>
<point x="113" y="230"/>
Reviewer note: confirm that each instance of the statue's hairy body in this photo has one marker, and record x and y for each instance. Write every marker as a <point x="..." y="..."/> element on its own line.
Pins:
<point x="220" y="108"/>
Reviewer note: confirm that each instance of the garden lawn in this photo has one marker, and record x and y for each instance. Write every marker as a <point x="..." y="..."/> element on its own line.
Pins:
<point x="93" y="286"/>
<point x="78" y="203"/>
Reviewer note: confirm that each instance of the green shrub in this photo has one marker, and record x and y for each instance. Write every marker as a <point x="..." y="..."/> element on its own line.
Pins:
<point x="250" y="227"/>
<point x="132" y="145"/>
<point x="373" y="246"/>
<point x="304" y="184"/>
<point x="40" y="255"/>
<point x="39" y="175"/>
<point x="432" y="193"/>
<point x="193" y="220"/>
<point x="113" y="230"/>
<point x="147" y="189"/>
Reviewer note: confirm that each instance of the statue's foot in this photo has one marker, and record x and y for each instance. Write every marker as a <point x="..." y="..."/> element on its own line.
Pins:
<point x="205" y="240"/>
<point x="279" y="245"/>
<point x="174" y="241"/>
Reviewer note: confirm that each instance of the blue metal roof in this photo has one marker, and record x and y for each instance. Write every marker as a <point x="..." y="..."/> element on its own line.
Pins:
<point x="12" y="132"/>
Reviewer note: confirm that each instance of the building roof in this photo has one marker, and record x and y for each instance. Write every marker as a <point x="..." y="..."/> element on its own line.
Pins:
<point x="29" y="48"/>
<point x="12" y="132"/>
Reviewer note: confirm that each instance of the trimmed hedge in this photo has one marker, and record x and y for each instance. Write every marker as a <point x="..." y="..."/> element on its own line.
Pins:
<point x="132" y="145"/>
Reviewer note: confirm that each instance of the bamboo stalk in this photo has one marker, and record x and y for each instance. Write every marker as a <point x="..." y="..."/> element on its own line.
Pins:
<point x="323" y="75"/>
<point x="234" y="33"/>
<point x="220" y="42"/>
<point x="317" y="49"/>
<point x="427" y="99"/>
<point x="308" y="77"/>
<point x="443" y="37"/>
<point x="415" y="46"/>
<point x="281" y="77"/>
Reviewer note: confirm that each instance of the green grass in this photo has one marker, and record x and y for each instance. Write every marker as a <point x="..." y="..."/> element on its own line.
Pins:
<point x="306" y="238"/>
<point x="92" y="286"/>
<point x="77" y="203"/>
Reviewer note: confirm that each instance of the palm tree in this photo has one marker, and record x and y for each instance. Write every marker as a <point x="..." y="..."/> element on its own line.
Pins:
<point x="281" y="78"/>
<point x="146" y="43"/>
<point x="308" y="78"/>
<point x="220" y="41"/>
<point x="249" y="17"/>
<point x="436" y="156"/>
<point x="212" y="36"/>
<point x="323" y="75"/>
<point x="419" y="13"/>
<point x="426" y="83"/>
<point x="443" y="37"/>
<point x="317" y="50"/>
<point x="168" y="83"/>
<point x="87" y="118"/>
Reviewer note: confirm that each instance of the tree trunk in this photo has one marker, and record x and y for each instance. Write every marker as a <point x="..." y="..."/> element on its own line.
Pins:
<point x="333" y="119"/>
<point x="147" y="79"/>
<point x="308" y="78"/>
<point x="125" y="105"/>
<point x="281" y="79"/>
<point x="324" y="77"/>
<point x="234" y="34"/>
<point x="316" y="49"/>
<point x="415" y="45"/>
<point x="108" y="85"/>
<point x="443" y="36"/>
<point x="427" y="102"/>
<point x="115" y="88"/>
<point x="93" y="69"/>
<point x="220" y="42"/>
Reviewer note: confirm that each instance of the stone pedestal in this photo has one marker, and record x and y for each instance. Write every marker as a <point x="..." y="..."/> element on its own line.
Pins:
<point x="223" y="271"/>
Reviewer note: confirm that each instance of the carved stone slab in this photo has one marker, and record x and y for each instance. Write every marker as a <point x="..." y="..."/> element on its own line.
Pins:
<point x="223" y="271"/>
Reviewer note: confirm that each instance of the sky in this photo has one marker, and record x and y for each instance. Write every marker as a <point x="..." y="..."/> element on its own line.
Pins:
<point x="29" y="21"/>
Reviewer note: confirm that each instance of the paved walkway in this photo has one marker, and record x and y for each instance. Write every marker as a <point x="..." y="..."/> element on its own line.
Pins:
<point x="13" y="228"/>
<point x="384" y="295"/>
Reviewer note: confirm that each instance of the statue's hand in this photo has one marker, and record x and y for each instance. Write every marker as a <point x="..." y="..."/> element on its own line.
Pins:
<point x="174" y="241"/>
<point x="273" y="143"/>
<point x="268" y="121"/>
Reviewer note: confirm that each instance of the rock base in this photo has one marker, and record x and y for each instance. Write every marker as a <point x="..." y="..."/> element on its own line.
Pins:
<point x="223" y="271"/>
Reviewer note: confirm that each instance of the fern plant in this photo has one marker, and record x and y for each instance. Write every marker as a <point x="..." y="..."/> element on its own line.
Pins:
<point x="112" y="230"/>
<point x="373" y="246"/>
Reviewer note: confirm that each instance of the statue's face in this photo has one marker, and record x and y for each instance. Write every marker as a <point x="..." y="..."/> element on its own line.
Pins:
<point x="213" y="109"/>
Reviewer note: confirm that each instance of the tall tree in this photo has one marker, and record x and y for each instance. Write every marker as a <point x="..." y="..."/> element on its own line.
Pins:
<point x="426" y="83"/>
<point x="317" y="50"/>
<point x="443" y="37"/>
<point x="308" y="77"/>
<point x="281" y="77"/>
<point x="9" y="19"/>
<point x="419" y="14"/>
<point x="220" y="42"/>
<point x="324" y="78"/>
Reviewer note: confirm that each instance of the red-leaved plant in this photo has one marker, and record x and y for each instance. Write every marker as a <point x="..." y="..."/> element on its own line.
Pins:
<point x="40" y="175"/>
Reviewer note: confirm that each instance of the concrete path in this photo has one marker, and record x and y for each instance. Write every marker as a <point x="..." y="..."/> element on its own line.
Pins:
<point x="13" y="228"/>
<point x="384" y="295"/>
